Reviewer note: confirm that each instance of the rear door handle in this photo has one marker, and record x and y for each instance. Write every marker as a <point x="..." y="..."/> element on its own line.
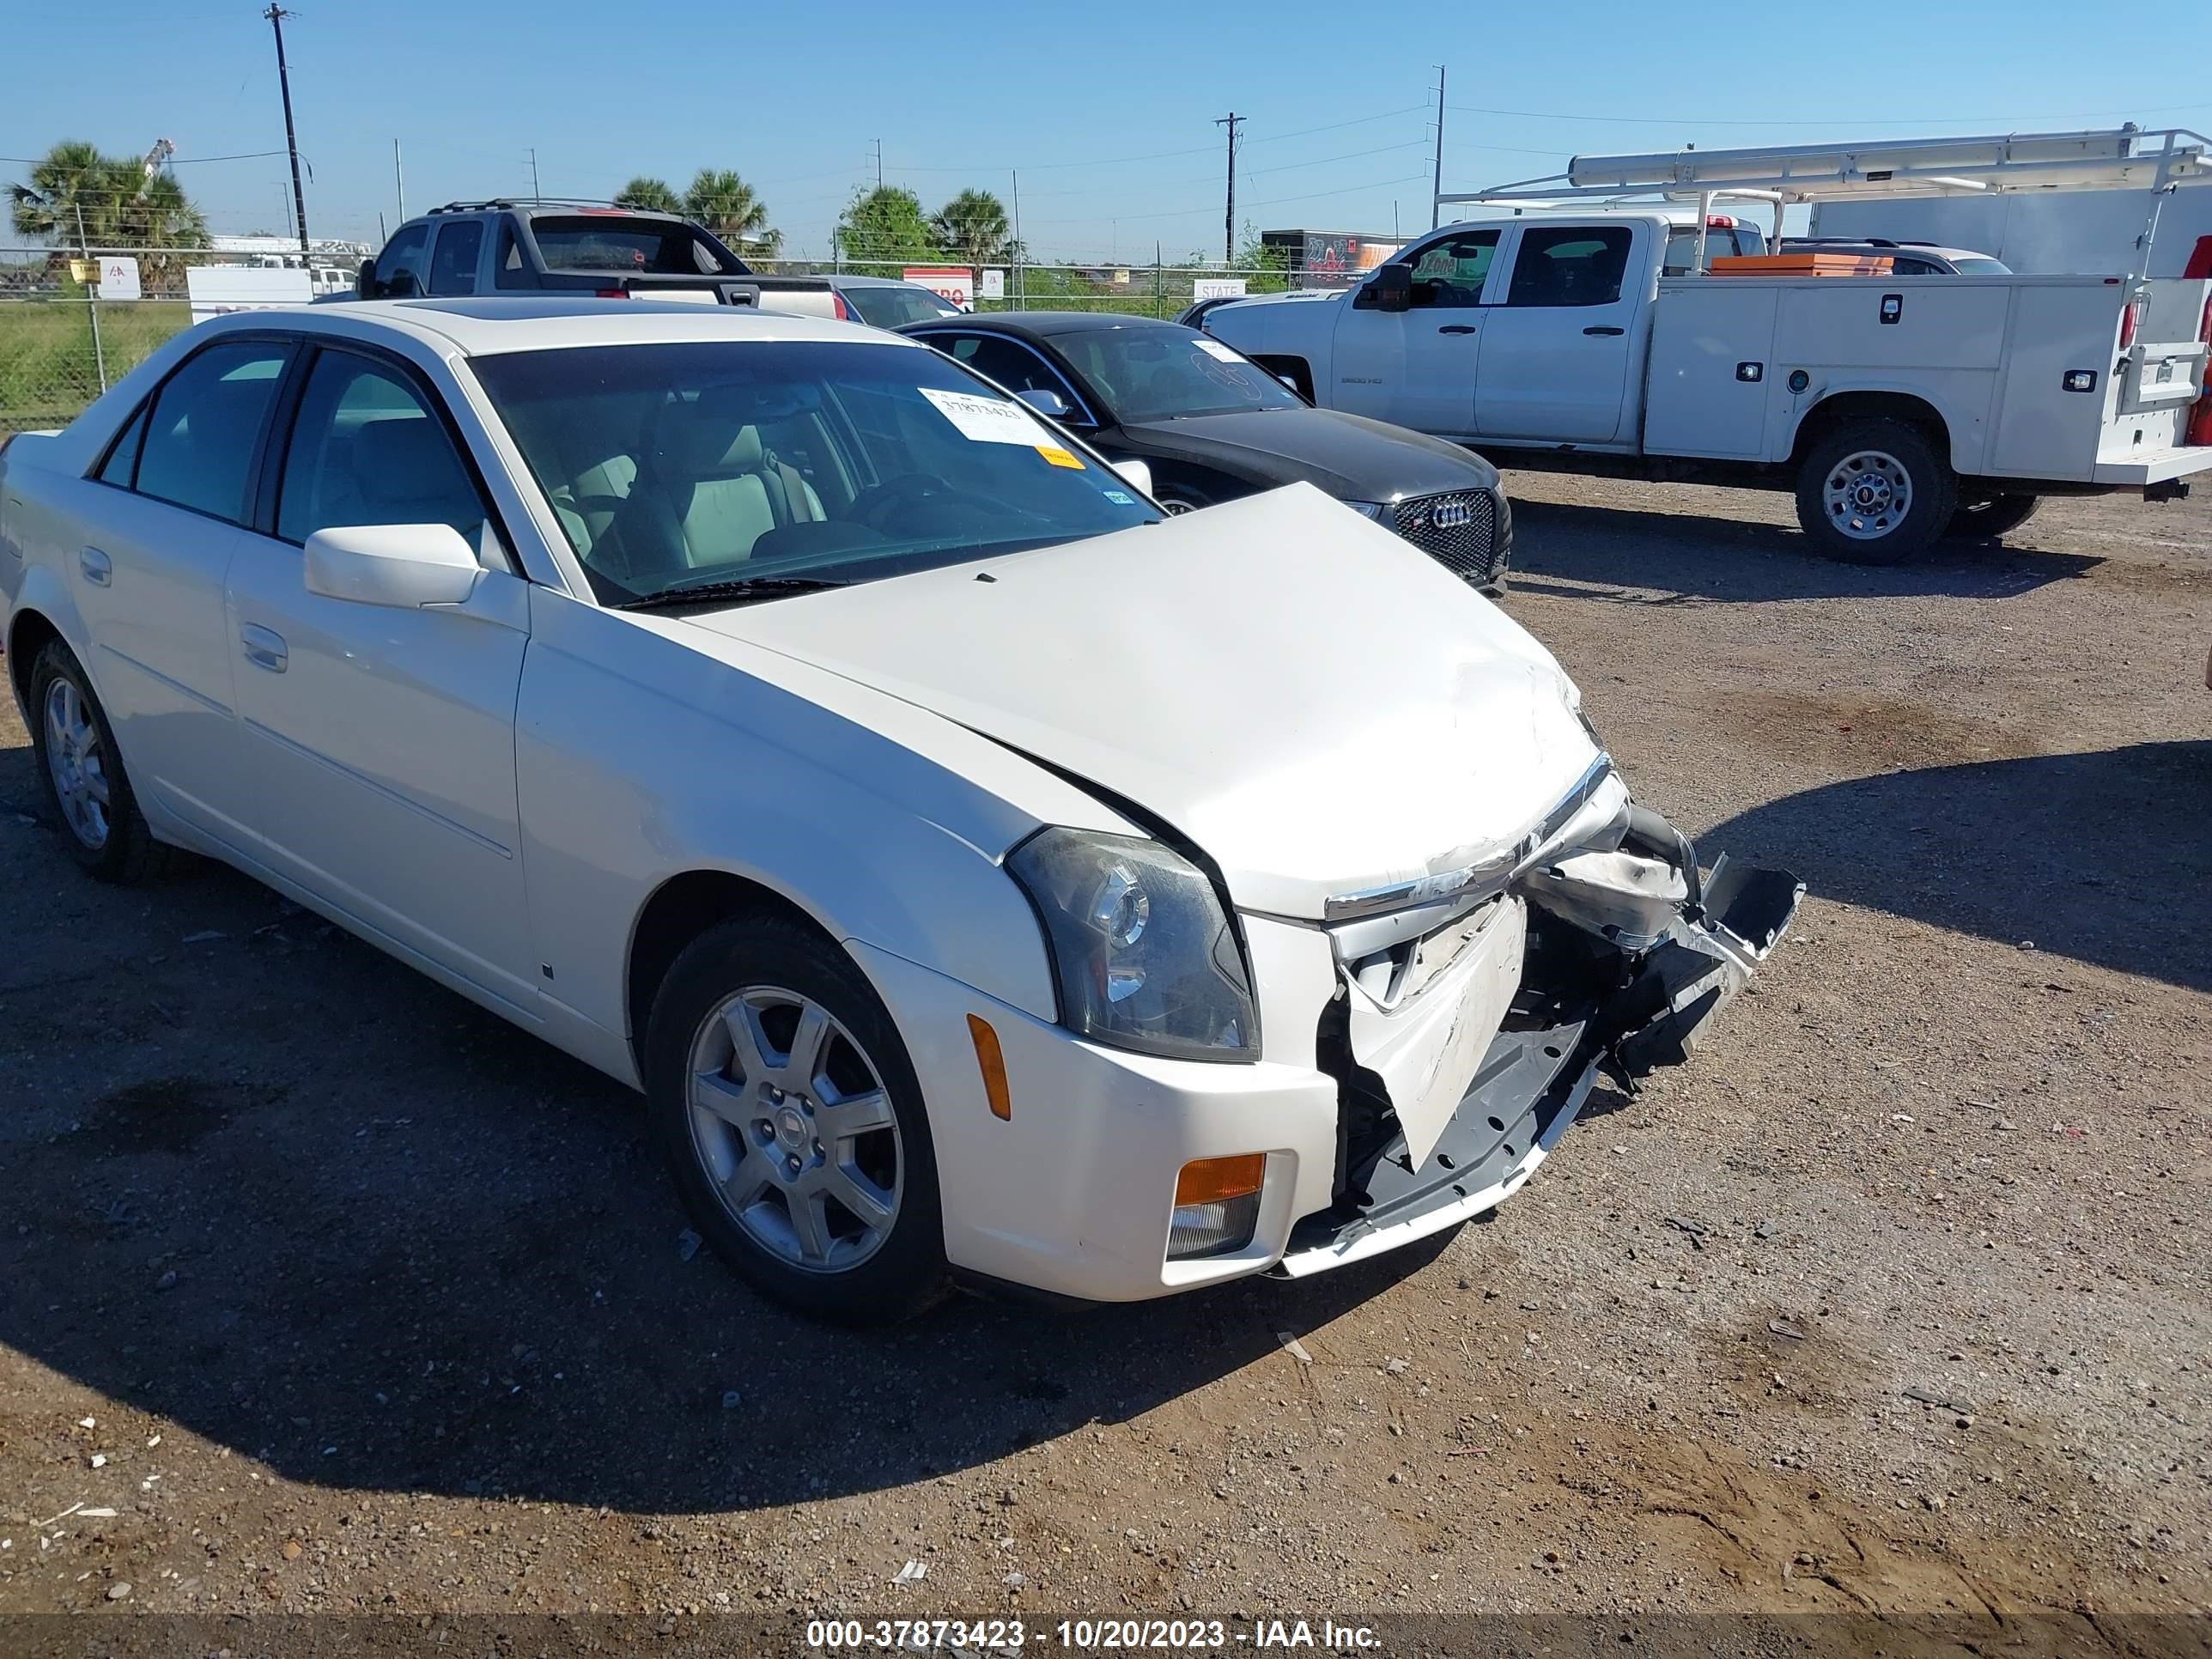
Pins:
<point x="1457" y="328"/>
<point x="98" y="569"/>
<point x="1604" y="328"/>
<point x="264" y="648"/>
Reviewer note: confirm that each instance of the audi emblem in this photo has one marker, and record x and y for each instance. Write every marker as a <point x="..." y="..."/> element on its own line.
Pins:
<point x="1451" y="515"/>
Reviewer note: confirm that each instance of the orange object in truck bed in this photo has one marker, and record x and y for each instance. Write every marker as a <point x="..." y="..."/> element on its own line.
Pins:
<point x="1800" y="264"/>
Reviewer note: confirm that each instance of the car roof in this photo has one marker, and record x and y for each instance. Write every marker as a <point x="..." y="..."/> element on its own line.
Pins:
<point x="854" y="279"/>
<point x="482" y="327"/>
<point x="1044" y="324"/>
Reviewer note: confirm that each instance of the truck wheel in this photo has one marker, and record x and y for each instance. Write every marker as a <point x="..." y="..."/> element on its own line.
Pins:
<point x="1874" y="492"/>
<point x="1989" y="517"/>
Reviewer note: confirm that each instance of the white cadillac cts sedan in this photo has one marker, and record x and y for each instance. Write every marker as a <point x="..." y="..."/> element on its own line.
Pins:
<point x="984" y="875"/>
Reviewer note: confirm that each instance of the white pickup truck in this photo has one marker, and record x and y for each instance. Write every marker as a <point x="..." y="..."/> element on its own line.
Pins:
<point x="1898" y="408"/>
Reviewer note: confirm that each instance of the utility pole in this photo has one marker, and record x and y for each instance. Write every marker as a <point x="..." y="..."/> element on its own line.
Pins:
<point x="536" y="191"/>
<point x="1438" y="188"/>
<point x="1233" y="121"/>
<point x="276" y="14"/>
<point x="399" y="181"/>
<point x="1020" y="303"/>
<point x="879" y="164"/>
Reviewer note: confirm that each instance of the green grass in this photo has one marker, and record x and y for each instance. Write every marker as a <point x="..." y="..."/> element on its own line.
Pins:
<point x="47" y="369"/>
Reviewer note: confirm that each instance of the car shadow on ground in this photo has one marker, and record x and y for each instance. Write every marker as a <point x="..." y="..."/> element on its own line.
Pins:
<point x="1675" y="558"/>
<point x="281" y="1191"/>
<point x="2099" y="857"/>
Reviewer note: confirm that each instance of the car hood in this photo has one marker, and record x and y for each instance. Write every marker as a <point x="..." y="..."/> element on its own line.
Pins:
<point x="1318" y="705"/>
<point x="1347" y="456"/>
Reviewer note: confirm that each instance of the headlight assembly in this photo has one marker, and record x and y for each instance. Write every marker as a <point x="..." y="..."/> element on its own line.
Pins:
<point x="1143" y="953"/>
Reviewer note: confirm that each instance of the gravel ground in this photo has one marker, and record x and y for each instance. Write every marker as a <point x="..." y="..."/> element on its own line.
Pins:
<point x="321" y="1291"/>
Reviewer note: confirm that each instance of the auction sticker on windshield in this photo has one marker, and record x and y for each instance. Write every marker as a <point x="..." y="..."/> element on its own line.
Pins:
<point x="1215" y="348"/>
<point x="988" y="420"/>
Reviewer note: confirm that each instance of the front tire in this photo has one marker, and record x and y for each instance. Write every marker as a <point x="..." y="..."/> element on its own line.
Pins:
<point x="87" y="792"/>
<point x="1991" y="517"/>
<point x="1874" y="492"/>
<point x="792" y="1124"/>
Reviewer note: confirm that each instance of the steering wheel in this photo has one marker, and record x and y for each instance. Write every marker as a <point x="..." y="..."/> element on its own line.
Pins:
<point x="908" y="489"/>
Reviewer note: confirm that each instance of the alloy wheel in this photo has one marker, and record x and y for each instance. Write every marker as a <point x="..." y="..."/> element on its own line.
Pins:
<point x="77" y="762"/>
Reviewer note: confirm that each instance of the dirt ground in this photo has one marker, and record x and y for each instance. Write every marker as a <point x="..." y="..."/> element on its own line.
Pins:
<point x="322" y="1292"/>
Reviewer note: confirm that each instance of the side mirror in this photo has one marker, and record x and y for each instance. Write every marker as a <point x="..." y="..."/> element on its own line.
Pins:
<point x="1137" y="474"/>
<point x="364" y="280"/>
<point x="1291" y="381"/>
<point x="405" y="566"/>
<point x="1391" y="289"/>
<point x="1044" y="401"/>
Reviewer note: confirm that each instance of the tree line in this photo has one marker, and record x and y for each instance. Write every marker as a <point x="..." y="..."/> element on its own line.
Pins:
<point x="887" y="222"/>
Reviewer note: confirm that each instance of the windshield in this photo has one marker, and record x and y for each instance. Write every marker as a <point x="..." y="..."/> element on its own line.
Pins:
<point x="1160" y="373"/>
<point x="893" y="308"/>
<point x="1977" y="264"/>
<point x="612" y="242"/>
<point x="672" y="466"/>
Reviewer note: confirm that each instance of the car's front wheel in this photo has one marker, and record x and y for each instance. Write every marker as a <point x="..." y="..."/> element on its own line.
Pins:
<point x="87" y="789"/>
<point x="792" y="1124"/>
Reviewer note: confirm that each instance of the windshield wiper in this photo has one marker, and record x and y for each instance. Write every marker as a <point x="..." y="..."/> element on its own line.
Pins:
<point x="737" y="591"/>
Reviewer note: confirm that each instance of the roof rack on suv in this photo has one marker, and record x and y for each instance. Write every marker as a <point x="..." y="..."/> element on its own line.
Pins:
<point x="525" y="203"/>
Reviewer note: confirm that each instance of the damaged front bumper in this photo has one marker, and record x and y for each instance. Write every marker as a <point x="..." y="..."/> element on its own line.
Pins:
<point x="1597" y="946"/>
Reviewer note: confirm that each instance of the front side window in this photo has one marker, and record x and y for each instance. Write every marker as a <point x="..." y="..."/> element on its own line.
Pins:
<point x="364" y="450"/>
<point x="399" y="268"/>
<point x="836" y="462"/>
<point x="453" y="265"/>
<point x="207" y="418"/>
<point x="1570" y="265"/>
<point x="1448" y="273"/>
<point x="1164" y="374"/>
<point x="1012" y="365"/>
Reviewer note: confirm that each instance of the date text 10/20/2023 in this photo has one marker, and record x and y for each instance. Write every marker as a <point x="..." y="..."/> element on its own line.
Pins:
<point x="1089" y="1635"/>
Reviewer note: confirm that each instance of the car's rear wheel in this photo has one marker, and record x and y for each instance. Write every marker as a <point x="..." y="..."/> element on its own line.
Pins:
<point x="1986" y="518"/>
<point x="86" y="790"/>
<point x="792" y="1124"/>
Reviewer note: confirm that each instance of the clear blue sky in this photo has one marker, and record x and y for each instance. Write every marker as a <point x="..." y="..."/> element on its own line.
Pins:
<point x="1107" y="111"/>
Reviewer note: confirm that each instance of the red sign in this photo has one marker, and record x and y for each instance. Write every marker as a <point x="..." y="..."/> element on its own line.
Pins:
<point x="953" y="282"/>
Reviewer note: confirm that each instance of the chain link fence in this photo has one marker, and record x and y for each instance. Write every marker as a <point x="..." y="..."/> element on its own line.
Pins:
<point x="61" y="344"/>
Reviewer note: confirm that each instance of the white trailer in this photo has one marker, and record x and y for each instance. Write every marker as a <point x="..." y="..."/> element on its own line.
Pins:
<point x="1898" y="410"/>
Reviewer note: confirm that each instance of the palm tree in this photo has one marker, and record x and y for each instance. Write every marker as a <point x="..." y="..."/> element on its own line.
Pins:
<point x="650" y="195"/>
<point x="973" y="225"/>
<point x="70" y="189"/>
<point x="724" y="203"/>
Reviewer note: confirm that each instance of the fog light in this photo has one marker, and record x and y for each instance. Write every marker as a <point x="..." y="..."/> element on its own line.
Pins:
<point x="1217" y="1206"/>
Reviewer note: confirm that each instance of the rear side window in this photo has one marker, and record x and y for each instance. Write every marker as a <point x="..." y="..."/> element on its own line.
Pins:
<point x="122" y="462"/>
<point x="1570" y="265"/>
<point x="644" y="248"/>
<point x="453" y="265"/>
<point x="200" y="438"/>
<point x="893" y="308"/>
<point x="365" y="450"/>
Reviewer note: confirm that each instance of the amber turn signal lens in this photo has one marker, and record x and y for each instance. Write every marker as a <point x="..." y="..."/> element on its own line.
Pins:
<point x="1210" y="1180"/>
<point x="992" y="1064"/>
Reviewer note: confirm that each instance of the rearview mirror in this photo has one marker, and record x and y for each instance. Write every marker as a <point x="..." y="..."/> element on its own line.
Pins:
<point x="1136" y="474"/>
<point x="1391" y="289"/>
<point x="405" y="566"/>
<point x="1044" y="401"/>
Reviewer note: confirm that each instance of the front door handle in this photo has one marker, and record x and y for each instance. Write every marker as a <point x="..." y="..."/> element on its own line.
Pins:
<point x="264" y="647"/>
<point x="1604" y="328"/>
<point x="1458" y="328"/>
<point x="98" y="569"/>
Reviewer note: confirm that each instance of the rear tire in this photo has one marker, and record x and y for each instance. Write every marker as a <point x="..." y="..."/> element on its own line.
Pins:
<point x="1990" y="516"/>
<point x="1874" y="492"/>
<point x="806" y="1161"/>
<point x="88" y="792"/>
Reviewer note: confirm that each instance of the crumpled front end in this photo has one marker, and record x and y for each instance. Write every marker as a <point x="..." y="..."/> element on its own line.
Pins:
<point x="1476" y="1011"/>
